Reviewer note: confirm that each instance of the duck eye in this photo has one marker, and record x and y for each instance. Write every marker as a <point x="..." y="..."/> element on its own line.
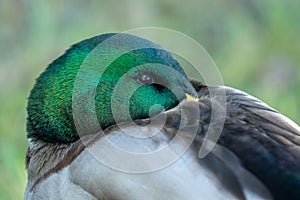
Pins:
<point x="145" y="79"/>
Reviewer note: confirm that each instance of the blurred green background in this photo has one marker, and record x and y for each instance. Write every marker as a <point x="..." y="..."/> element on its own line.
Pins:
<point x="255" y="44"/>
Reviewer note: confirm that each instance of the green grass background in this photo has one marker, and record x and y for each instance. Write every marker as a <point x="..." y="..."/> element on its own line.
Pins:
<point x="255" y="44"/>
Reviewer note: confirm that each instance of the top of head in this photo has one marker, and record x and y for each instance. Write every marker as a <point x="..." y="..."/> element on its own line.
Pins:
<point x="126" y="71"/>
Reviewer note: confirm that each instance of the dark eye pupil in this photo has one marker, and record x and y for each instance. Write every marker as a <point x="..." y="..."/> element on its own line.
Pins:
<point x="145" y="79"/>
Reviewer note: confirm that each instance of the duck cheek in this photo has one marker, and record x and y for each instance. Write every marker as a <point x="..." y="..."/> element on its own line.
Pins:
<point x="171" y="100"/>
<point x="156" y="109"/>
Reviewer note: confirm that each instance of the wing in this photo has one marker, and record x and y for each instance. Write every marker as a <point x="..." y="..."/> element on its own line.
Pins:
<point x="147" y="172"/>
<point x="267" y="142"/>
<point x="127" y="163"/>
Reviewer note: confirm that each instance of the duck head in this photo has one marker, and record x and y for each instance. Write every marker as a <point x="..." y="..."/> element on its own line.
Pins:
<point x="137" y="75"/>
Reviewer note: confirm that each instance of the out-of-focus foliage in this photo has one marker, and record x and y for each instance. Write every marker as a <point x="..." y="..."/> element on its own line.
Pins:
<point x="255" y="44"/>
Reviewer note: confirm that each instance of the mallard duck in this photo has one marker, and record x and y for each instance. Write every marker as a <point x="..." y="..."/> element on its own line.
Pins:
<point x="70" y="156"/>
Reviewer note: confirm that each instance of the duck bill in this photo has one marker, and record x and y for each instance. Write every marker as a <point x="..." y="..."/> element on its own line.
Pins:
<point x="190" y="98"/>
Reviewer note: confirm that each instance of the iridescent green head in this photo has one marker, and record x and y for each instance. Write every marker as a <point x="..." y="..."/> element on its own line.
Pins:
<point x="122" y="71"/>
